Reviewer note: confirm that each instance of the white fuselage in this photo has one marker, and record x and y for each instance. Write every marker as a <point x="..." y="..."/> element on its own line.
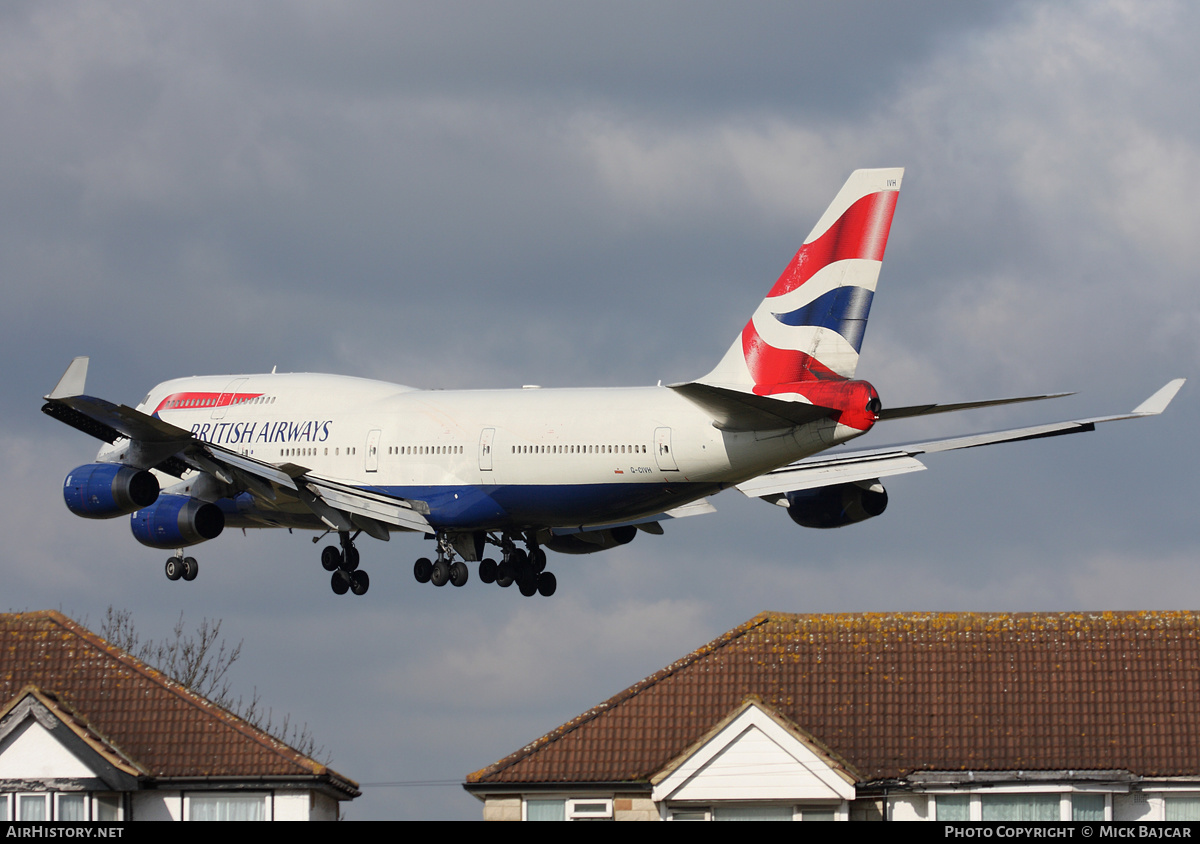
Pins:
<point x="482" y="459"/>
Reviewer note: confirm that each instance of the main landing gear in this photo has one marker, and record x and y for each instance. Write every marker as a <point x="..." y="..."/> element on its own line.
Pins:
<point x="343" y="562"/>
<point x="180" y="566"/>
<point x="526" y="568"/>
<point x="445" y="570"/>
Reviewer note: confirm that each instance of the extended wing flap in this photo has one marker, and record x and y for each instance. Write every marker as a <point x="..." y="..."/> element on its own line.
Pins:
<point x="358" y="502"/>
<point x="693" y="508"/>
<point x="248" y="465"/>
<point x="828" y="472"/>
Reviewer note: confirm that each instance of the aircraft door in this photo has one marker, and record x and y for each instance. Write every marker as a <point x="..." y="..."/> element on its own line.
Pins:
<point x="662" y="450"/>
<point x="372" y="455"/>
<point x="226" y="397"/>
<point x="485" y="449"/>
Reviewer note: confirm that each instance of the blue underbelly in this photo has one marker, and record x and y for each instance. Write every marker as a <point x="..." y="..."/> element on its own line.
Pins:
<point x="546" y="505"/>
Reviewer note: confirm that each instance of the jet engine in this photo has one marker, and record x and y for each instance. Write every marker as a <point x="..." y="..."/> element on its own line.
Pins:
<point x="837" y="506"/>
<point x="108" y="490"/>
<point x="591" y="541"/>
<point x="175" y="521"/>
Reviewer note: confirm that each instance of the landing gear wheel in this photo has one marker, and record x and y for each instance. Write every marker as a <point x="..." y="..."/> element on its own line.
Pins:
<point x="174" y="568"/>
<point x="459" y="573"/>
<point x="504" y="575"/>
<point x="441" y="573"/>
<point x="546" y="584"/>
<point x="190" y="568"/>
<point x="340" y="582"/>
<point x="487" y="571"/>
<point x="331" y="558"/>
<point x="422" y="570"/>
<point x="518" y="558"/>
<point x="528" y="586"/>
<point x="537" y="560"/>
<point x="359" y="582"/>
<point x="350" y="563"/>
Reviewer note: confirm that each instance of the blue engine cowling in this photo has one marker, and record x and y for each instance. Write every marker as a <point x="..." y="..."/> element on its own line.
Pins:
<point x="108" y="490"/>
<point x="175" y="521"/>
<point x="837" y="506"/>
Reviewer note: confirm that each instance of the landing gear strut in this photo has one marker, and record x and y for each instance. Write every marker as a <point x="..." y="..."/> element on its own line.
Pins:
<point x="343" y="563"/>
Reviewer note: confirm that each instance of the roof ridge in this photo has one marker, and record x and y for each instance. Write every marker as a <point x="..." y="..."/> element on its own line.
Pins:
<point x="620" y="697"/>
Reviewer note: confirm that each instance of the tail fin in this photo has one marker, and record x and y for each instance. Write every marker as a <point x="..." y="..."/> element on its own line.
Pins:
<point x="810" y="326"/>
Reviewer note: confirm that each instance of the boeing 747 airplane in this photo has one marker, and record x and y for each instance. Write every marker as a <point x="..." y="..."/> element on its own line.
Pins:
<point x="570" y="470"/>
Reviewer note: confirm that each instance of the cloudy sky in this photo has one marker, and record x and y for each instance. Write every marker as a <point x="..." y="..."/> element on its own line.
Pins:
<point x="488" y="195"/>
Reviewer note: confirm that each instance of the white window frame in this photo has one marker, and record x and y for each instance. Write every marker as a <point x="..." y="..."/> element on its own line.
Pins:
<point x="97" y="796"/>
<point x="1157" y="798"/>
<point x="265" y="796"/>
<point x="841" y="811"/>
<point x="571" y="806"/>
<point x="1065" y="794"/>
<point x="22" y="797"/>
<point x="87" y="803"/>
<point x="575" y="813"/>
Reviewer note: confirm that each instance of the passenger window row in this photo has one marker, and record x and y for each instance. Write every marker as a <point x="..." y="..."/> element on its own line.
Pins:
<point x="579" y="449"/>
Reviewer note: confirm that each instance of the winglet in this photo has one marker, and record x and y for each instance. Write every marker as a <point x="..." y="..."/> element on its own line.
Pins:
<point x="72" y="382"/>
<point x="1158" y="402"/>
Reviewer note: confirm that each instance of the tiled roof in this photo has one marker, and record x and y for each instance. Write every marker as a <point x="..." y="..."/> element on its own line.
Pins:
<point x="903" y="692"/>
<point x="163" y="728"/>
<point x="76" y="723"/>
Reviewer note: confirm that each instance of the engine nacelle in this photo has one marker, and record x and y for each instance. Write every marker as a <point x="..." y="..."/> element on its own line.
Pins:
<point x="175" y="521"/>
<point x="837" y="506"/>
<point x="591" y="541"/>
<point x="108" y="490"/>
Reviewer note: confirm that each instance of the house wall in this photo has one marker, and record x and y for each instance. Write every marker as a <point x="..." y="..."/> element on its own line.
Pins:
<point x="908" y="807"/>
<point x="300" y="806"/>
<point x="502" y="809"/>
<point x="634" y="807"/>
<point x="288" y="806"/>
<point x="30" y="752"/>
<point x="157" y="806"/>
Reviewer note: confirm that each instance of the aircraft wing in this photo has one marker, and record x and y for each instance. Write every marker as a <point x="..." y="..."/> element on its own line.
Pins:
<point x="168" y="448"/>
<point x="899" y="459"/>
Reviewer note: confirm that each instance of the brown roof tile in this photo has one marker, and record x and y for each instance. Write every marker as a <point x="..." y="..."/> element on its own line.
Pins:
<point x="902" y="692"/>
<point x="162" y="727"/>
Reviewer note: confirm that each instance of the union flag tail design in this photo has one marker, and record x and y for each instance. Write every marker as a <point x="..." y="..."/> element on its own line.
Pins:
<point x="810" y="326"/>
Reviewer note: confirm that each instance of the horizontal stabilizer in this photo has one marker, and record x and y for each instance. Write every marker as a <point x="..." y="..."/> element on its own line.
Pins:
<point x="733" y="410"/>
<point x="927" y="409"/>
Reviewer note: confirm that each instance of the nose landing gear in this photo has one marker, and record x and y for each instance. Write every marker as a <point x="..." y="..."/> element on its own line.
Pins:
<point x="183" y="567"/>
